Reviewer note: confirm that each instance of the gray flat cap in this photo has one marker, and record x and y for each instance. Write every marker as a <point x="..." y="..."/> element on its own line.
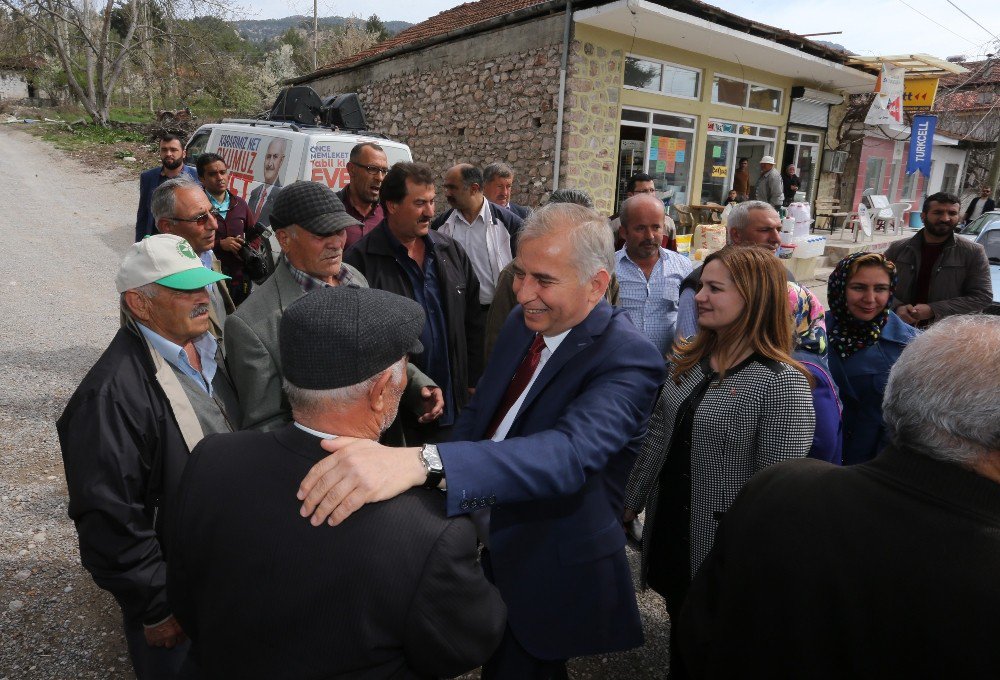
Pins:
<point x="314" y="207"/>
<point x="341" y="336"/>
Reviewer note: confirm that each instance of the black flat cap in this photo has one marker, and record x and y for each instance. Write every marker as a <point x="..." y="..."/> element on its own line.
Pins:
<point x="314" y="207"/>
<point x="341" y="336"/>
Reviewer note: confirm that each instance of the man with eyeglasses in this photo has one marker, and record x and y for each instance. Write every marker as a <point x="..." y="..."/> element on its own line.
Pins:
<point x="126" y="434"/>
<point x="367" y="167"/>
<point x="181" y="207"/>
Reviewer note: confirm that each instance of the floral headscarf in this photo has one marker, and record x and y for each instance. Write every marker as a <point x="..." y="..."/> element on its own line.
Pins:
<point x="808" y="322"/>
<point x="850" y="334"/>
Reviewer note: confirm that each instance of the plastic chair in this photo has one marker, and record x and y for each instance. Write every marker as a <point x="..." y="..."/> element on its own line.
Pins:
<point x="898" y="210"/>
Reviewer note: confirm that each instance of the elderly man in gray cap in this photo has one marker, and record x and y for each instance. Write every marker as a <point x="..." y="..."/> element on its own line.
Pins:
<point x="159" y="387"/>
<point x="393" y="592"/>
<point x="310" y="223"/>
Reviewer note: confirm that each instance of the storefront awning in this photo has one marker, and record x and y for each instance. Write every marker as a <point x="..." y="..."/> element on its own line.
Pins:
<point x="652" y="22"/>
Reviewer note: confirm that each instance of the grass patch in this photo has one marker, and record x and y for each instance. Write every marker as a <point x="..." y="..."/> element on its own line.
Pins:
<point x="81" y="137"/>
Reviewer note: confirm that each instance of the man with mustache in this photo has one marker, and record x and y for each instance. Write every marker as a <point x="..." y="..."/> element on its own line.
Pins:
<point x="171" y="165"/>
<point x="158" y="389"/>
<point x="367" y="166"/>
<point x="310" y="224"/>
<point x="485" y="230"/>
<point x="404" y="256"/>
<point x="181" y="207"/>
<point x="649" y="275"/>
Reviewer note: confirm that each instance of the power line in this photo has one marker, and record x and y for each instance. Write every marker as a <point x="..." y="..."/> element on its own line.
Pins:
<point x="973" y="20"/>
<point x="937" y="23"/>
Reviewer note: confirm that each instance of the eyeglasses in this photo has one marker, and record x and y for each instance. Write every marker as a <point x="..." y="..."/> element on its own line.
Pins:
<point x="374" y="170"/>
<point x="201" y="220"/>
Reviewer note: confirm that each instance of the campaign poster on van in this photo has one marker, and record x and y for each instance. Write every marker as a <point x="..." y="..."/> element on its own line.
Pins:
<point x="328" y="164"/>
<point x="253" y="160"/>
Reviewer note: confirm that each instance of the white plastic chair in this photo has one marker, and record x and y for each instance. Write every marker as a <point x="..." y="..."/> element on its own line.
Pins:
<point x="898" y="210"/>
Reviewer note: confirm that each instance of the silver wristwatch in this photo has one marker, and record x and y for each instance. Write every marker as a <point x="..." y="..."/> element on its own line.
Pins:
<point x="432" y="465"/>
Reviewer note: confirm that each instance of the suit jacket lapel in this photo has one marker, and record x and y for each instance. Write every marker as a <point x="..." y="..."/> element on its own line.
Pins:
<point x="580" y="337"/>
<point x="287" y="288"/>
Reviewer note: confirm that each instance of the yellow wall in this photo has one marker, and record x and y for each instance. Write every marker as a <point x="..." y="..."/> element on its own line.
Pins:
<point x="703" y="108"/>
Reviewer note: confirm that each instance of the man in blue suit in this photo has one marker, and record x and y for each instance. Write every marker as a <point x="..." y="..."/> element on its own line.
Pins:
<point x="171" y="165"/>
<point x="541" y="453"/>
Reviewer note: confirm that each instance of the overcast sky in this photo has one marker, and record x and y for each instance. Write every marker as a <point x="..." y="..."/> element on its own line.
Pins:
<point x="869" y="27"/>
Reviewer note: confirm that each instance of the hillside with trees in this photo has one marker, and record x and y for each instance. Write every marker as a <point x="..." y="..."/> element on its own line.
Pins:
<point x="111" y="55"/>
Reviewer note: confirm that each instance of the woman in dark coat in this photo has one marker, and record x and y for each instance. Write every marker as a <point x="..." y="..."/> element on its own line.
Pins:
<point x="866" y="339"/>
<point x="735" y="402"/>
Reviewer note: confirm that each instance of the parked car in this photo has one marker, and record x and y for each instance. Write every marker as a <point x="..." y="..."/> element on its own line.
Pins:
<point x="985" y="230"/>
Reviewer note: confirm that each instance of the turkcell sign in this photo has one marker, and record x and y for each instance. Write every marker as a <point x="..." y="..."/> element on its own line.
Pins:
<point x="921" y="143"/>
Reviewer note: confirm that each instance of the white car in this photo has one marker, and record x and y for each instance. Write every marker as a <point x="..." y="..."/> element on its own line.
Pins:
<point x="985" y="230"/>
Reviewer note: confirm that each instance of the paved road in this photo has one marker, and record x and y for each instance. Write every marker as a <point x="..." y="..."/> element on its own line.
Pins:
<point x="65" y="229"/>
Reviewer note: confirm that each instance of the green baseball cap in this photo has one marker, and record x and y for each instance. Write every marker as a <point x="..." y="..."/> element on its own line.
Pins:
<point x="166" y="259"/>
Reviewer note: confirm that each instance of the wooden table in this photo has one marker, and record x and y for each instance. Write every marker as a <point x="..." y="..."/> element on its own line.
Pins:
<point x="832" y="219"/>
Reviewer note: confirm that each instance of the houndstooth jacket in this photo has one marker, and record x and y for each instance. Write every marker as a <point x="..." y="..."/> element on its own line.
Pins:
<point x="761" y="413"/>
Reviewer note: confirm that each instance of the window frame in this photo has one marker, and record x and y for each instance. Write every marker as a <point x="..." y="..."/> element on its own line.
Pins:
<point x="665" y="64"/>
<point x="750" y="84"/>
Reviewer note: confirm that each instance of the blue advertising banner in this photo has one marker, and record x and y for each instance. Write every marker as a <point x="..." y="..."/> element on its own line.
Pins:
<point x="921" y="143"/>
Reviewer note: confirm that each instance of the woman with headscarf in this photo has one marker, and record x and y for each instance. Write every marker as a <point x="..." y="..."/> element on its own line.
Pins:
<point x="734" y="403"/>
<point x="809" y="349"/>
<point x="866" y="339"/>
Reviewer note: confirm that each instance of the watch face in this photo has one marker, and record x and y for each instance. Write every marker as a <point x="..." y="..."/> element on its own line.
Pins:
<point x="431" y="457"/>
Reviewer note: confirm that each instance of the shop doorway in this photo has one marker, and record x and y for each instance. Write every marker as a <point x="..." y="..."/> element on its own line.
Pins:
<point x="729" y="142"/>
<point x="802" y="151"/>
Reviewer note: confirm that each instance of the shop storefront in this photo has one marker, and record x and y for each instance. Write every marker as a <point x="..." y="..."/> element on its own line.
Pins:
<point x="802" y="150"/>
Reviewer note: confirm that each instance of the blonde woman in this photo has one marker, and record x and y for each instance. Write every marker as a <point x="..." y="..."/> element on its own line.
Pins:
<point x="734" y="402"/>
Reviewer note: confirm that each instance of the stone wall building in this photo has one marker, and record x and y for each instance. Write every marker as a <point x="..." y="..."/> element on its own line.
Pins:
<point x="678" y="89"/>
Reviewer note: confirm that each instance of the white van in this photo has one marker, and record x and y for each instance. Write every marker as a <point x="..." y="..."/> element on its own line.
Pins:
<point x="264" y="155"/>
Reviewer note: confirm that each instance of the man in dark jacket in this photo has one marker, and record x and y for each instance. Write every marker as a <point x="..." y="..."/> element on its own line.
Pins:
<point x="405" y="257"/>
<point x="940" y="274"/>
<point x="395" y="592"/>
<point x="885" y="569"/>
<point x="979" y="205"/>
<point x="498" y="184"/>
<point x="127" y="432"/>
<point x="233" y="220"/>
<point x="171" y="166"/>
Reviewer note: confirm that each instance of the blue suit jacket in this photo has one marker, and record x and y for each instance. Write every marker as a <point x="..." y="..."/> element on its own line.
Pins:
<point x="145" y="225"/>
<point x="556" y="483"/>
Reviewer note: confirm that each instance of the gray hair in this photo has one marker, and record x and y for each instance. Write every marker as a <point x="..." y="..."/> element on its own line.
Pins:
<point x="164" y="196"/>
<point x="739" y="216"/>
<point x="497" y="170"/>
<point x="938" y="402"/>
<point x="338" y="399"/>
<point x="634" y="201"/>
<point x="593" y="244"/>
<point x="149" y="291"/>
<point x="578" y="196"/>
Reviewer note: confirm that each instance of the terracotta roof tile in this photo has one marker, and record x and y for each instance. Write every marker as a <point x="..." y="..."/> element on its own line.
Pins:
<point x="980" y="73"/>
<point x="468" y="14"/>
<point x="473" y="13"/>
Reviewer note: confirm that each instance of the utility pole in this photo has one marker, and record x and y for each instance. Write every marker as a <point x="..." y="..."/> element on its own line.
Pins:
<point x="315" y="31"/>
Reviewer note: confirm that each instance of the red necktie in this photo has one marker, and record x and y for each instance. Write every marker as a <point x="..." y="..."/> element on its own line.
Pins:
<point x="518" y="383"/>
<point x="260" y="203"/>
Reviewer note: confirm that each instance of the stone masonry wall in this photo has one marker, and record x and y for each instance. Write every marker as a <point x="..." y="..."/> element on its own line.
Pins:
<point x="591" y="121"/>
<point x="486" y="98"/>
